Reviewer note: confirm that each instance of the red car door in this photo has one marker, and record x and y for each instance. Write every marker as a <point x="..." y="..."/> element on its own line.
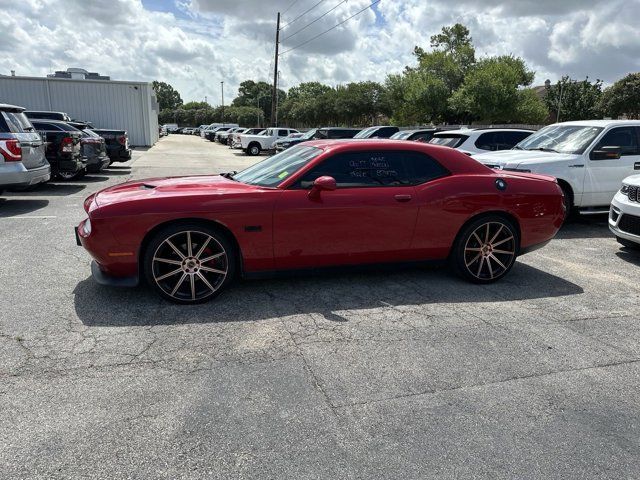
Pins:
<point x="369" y="218"/>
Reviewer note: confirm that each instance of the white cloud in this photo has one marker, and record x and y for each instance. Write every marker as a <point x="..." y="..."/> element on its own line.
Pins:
<point x="197" y="43"/>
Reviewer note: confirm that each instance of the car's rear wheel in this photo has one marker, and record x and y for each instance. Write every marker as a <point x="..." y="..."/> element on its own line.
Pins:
<point x="486" y="249"/>
<point x="189" y="263"/>
<point x="254" y="149"/>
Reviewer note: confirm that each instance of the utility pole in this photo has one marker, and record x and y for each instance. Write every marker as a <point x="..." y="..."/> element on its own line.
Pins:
<point x="222" y="87"/>
<point x="274" y="95"/>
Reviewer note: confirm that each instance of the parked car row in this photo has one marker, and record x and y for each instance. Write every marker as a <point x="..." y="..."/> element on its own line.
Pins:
<point x="36" y="146"/>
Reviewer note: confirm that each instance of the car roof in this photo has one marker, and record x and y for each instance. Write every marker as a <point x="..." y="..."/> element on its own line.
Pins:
<point x="48" y="120"/>
<point x="600" y="123"/>
<point x="469" y="131"/>
<point x="11" y="108"/>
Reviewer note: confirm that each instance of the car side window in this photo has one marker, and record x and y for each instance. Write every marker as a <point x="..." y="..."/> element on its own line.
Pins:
<point x="361" y="169"/>
<point x="624" y="137"/>
<point x="422" y="168"/>
<point x="283" y="133"/>
<point x="487" y="141"/>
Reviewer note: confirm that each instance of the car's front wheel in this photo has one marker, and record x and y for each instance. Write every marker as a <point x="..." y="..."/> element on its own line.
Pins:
<point x="486" y="249"/>
<point x="189" y="263"/>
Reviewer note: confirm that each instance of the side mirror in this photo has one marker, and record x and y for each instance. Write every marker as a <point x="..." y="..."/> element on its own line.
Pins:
<point x="606" y="153"/>
<point x="320" y="184"/>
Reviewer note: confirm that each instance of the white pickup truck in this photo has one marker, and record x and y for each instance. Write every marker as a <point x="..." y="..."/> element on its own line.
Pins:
<point x="589" y="158"/>
<point x="254" y="144"/>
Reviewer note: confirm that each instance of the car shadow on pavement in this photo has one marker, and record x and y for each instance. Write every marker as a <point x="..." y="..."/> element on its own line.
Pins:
<point x="12" y="208"/>
<point x="629" y="255"/>
<point x="583" y="226"/>
<point x="326" y="295"/>
<point x="116" y="172"/>
<point x="49" y="189"/>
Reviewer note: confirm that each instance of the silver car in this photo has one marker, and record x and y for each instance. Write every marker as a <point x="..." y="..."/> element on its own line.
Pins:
<point x="22" y="151"/>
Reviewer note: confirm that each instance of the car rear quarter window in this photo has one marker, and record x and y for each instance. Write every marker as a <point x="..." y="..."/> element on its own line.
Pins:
<point x="283" y="133"/>
<point x="13" y="124"/>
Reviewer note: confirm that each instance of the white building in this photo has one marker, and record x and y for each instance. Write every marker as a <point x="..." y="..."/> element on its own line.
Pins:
<point x="130" y="106"/>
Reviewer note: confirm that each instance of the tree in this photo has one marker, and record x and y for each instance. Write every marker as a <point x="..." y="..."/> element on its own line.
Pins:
<point x="168" y="97"/>
<point x="623" y="98"/>
<point x="439" y="73"/>
<point x="491" y="92"/>
<point x="257" y="94"/>
<point x="574" y="100"/>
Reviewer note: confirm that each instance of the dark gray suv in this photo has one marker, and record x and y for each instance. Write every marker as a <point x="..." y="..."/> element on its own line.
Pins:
<point x="22" y="151"/>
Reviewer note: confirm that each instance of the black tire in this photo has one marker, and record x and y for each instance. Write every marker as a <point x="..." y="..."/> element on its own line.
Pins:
<point x="254" y="149"/>
<point x="69" y="177"/>
<point x="189" y="283"/>
<point x="567" y="195"/>
<point x="475" y="255"/>
<point x="628" y="243"/>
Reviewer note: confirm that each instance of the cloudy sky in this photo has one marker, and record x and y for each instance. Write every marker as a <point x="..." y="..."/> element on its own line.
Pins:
<point x="195" y="44"/>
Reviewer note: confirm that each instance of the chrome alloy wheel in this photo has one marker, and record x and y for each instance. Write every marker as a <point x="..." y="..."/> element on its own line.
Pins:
<point x="490" y="250"/>
<point x="190" y="266"/>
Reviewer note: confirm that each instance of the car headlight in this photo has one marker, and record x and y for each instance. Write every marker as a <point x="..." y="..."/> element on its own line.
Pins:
<point x="625" y="189"/>
<point x="86" y="227"/>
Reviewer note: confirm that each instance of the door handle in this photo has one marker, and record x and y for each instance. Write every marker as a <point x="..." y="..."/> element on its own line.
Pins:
<point x="402" y="198"/>
<point x="577" y="165"/>
<point x="636" y="166"/>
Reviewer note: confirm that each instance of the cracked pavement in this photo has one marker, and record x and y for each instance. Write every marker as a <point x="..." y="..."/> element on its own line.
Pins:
<point x="406" y="374"/>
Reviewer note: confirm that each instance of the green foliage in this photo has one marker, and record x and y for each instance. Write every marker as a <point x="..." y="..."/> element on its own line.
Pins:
<point x="623" y="98"/>
<point x="168" y="97"/>
<point x="258" y="94"/>
<point x="577" y="100"/>
<point x="490" y="91"/>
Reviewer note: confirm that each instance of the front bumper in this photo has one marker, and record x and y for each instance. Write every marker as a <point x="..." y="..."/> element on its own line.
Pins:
<point x="622" y="207"/>
<point x="15" y="174"/>
<point x="104" y="279"/>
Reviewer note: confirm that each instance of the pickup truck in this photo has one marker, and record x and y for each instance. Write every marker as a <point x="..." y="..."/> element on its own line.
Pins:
<point x="63" y="148"/>
<point x="254" y="144"/>
<point x="117" y="143"/>
<point x="588" y="158"/>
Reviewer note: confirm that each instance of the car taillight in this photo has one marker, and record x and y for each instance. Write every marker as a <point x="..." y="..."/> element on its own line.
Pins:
<point x="122" y="139"/>
<point x="67" y="145"/>
<point x="11" y="150"/>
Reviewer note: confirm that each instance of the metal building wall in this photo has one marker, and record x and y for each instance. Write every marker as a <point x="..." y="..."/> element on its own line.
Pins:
<point x="130" y="106"/>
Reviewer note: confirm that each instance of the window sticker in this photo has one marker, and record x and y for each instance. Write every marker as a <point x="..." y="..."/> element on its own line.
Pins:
<point x="283" y="174"/>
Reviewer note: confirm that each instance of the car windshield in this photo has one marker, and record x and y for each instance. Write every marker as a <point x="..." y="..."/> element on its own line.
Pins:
<point x="448" y="140"/>
<point x="309" y="135"/>
<point x="365" y="133"/>
<point x="400" y="135"/>
<point x="274" y="170"/>
<point x="91" y="133"/>
<point x="561" y="138"/>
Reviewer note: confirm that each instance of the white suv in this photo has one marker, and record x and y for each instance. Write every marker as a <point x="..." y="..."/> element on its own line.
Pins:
<point x="589" y="158"/>
<point x="473" y="141"/>
<point x="624" y="215"/>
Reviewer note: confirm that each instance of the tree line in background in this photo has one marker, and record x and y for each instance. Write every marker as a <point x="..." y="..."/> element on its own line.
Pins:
<point x="448" y="84"/>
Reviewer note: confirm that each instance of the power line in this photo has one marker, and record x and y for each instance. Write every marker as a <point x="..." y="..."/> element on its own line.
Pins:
<point x="302" y="14"/>
<point x="311" y="23"/>
<point x="332" y="28"/>
<point x="291" y="5"/>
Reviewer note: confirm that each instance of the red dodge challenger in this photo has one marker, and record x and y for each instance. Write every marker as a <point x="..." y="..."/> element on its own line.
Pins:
<point x="319" y="204"/>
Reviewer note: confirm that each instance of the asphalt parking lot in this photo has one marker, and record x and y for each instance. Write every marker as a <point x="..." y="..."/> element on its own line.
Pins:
<point x="406" y="374"/>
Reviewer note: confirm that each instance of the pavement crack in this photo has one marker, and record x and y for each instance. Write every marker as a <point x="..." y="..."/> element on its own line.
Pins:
<point x="486" y="384"/>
